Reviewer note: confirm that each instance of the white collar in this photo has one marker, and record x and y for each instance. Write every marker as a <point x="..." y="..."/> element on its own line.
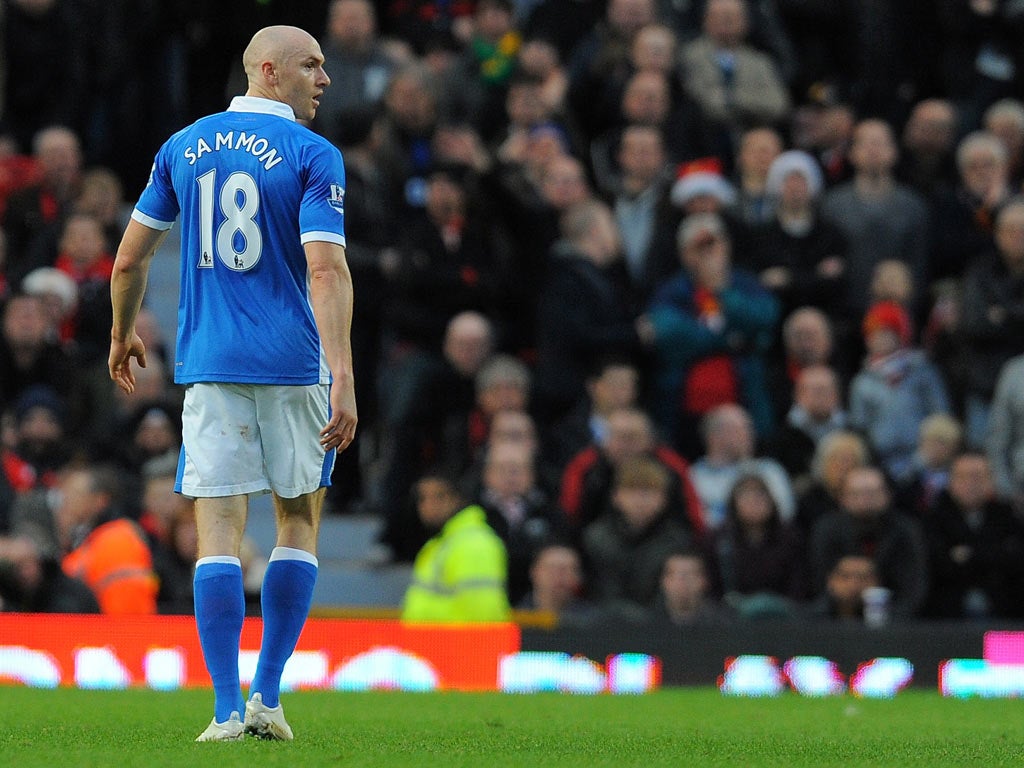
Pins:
<point x="259" y="104"/>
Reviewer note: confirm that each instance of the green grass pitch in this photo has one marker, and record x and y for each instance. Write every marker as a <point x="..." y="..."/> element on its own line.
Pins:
<point x="69" y="728"/>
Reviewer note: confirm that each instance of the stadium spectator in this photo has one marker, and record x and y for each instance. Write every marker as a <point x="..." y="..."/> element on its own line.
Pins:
<point x="539" y="59"/>
<point x="293" y="320"/>
<point x="517" y="428"/>
<point x="612" y="383"/>
<point x="830" y="137"/>
<point x="685" y="597"/>
<point x="843" y="598"/>
<point x="817" y="412"/>
<point x="626" y="546"/>
<point x="975" y="548"/>
<point x="359" y="65"/>
<point x="1004" y="444"/>
<point x="106" y="551"/>
<point x="735" y="85"/>
<point x="880" y="217"/>
<point x="525" y="109"/>
<point x="502" y="384"/>
<point x="928" y="143"/>
<point x="459" y="575"/>
<point x="159" y="505"/>
<point x="758" y="150"/>
<point x="965" y="215"/>
<point x="602" y="56"/>
<point x="425" y="394"/>
<point x="518" y="509"/>
<point x="647" y="100"/>
<point x="84" y="256"/>
<point x="729" y="450"/>
<point x="834" y="457"/>
<point x="867" y="524"/>
<point x="31" y="582"/>
<point x="59" y="293"/>
<point x="896" y="390"/>
<point x="808" y="339"/>
<point x="798" y="255"/>
<point x="760" y="560"/>
<point x="448" y="261"/>
<point x="101" y="195"/>
<point x="39" y="444"/>
<point x="485" y="66"/>
<point x="411" y="112"/>
<point x="31" y="210"/>
<point x="583" y="308"/>
<point x="588" y="480"/>
<point x="1005" y="121"/>
<point x="557" y="586"/>
<point x="939" y="440"/>
<point x="892" y="281"/>
<point x="174" y="560"/>
<point x="992" y="318"/>
<point x="713" y="325"/>
<point x="640" y="200"/>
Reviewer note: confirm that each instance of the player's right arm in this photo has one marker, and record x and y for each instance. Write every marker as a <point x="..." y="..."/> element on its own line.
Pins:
<point x="127" y="287"/>
<point x="331" y="298"/>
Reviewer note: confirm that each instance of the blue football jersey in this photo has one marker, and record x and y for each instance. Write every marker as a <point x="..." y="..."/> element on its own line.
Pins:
<point x="251" y="186"/>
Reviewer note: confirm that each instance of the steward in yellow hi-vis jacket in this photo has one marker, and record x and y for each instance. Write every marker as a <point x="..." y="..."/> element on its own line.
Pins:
<point x="459" y="575"/>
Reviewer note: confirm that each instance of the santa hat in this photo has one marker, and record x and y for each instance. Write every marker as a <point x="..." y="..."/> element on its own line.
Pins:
<point x="888" y="315"/>
<point x="702" y="177"/>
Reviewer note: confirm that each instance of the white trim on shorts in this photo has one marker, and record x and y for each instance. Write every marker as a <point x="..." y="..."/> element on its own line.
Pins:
<point x="253" y="438"/>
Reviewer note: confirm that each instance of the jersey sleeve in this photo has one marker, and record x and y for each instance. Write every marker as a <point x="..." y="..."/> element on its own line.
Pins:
<point x="322" y="212"/>
<point x="158" y="205"/>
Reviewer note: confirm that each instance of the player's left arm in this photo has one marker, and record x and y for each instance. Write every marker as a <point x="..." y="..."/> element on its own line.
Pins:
<point x="127" y="287"/>
<point x="331" y="299"/>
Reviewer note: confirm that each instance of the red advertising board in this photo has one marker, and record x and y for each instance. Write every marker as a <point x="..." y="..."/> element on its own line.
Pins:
<point x="164" y="652"/>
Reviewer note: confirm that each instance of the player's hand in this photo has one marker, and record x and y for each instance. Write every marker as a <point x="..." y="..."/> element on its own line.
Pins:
<point x="119" y="362"/>
<point x="341" y="429"/>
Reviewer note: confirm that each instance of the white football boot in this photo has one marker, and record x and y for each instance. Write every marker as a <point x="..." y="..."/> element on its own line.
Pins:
<point x="231" y="729"/>
<point x="265" y="722"/>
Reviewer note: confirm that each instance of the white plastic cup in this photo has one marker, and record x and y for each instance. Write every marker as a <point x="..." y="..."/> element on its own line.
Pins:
<point x="877" y="604"/>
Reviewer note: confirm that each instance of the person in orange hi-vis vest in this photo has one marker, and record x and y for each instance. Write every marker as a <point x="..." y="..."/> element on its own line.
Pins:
<point x="110" y="554"/>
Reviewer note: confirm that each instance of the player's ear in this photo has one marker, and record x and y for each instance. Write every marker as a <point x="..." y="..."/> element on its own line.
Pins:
<point x="269" y="72"/>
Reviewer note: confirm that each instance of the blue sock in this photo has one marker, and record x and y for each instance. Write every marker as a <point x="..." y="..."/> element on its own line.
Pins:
<point x="286" y="597"/>
<point x="220" y="609"/>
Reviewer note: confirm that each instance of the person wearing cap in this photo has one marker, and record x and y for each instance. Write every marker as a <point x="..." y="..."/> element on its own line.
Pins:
<point x="713" y="326"/>
<point x="896" y="389"/>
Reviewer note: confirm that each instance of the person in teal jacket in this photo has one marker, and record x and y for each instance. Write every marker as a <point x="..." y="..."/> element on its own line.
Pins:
<point x="713" y="324"/>
<point x="460" y="574"/>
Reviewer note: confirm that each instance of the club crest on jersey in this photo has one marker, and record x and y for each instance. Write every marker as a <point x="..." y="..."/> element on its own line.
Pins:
<point x="337" y="198"/>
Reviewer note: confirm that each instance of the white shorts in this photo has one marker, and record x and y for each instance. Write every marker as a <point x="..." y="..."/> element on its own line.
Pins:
<point x="253" y="438"/>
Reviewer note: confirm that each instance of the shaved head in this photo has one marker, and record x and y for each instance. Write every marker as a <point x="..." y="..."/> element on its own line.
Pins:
<point x="286" y="64"/>
<point x="274" y="45"/>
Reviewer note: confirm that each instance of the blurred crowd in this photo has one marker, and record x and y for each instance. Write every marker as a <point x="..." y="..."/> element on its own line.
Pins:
<point x="714" y="307"/>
